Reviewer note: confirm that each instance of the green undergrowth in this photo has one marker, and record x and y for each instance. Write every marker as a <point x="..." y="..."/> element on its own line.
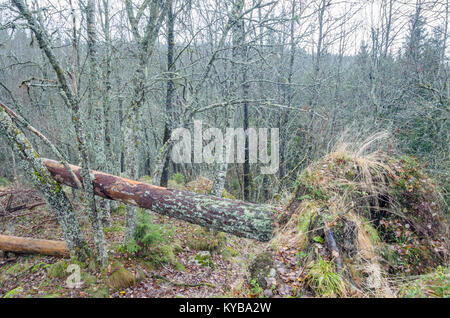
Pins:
<point x="4" y="182"/>
<point x="152" y="242"/>
<point x="434" y="284"/>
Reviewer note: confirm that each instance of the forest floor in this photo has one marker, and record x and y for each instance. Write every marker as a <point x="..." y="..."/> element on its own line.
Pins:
<point x="394" y="246"/>
<point x="199" y="263"/>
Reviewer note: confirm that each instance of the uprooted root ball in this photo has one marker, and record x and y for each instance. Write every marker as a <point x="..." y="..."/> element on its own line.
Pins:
<point x="353" y="224"/>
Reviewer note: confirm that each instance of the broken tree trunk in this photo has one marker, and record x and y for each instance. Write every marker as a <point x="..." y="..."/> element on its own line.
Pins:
<point x="244" y="219"/>
<point x="28" y="245"/>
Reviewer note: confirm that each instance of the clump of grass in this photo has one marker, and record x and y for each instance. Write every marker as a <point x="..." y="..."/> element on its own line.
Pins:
<point x="58" y="269"/>
<point x="323" y="278"/>
<point x="229" y="252"/>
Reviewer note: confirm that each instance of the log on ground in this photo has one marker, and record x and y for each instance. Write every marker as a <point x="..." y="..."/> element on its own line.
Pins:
<point x="240" y="218"/>
<point x="28" y="245"/>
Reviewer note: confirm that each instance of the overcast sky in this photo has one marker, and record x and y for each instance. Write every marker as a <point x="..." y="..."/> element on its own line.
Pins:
<point x="363" y="16"/>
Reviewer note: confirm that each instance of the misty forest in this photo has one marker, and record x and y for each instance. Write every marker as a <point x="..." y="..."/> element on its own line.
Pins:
<point x="224" y="148"/>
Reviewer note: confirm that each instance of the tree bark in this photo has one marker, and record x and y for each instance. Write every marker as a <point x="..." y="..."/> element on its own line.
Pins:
<point x="51" y="191"/>
<point x="239" y="218"/>
<point x="28" y="245"/>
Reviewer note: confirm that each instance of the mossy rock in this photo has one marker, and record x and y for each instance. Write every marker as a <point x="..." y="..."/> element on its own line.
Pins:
<point x="261" y="268"/>
<point x="229" y="253"/>
<point x="202" y="239"/>
<point x="121" y="278"/>
<point x="204" y="259"/>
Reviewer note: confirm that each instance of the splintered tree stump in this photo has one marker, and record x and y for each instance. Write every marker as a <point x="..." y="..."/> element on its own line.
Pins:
<point x="28" y="245"/>
<point x="244" y="219"/>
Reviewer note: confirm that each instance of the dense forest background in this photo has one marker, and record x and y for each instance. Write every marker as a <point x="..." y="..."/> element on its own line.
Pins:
<point x="317" y="70"/>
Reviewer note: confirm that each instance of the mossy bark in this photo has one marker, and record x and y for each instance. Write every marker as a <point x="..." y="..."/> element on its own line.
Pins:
<point x="50" y="189"/>
<point x="240" y="218"/>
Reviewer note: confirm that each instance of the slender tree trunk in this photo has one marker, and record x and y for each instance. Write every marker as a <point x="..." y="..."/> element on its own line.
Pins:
<point x="95" y="103"/>
<point x="109" y="153"/>
<point x="237" y="35"/>
<point x="45" y="184"/>
<point x="144" y="44"/>
<point x="169" y="94"/>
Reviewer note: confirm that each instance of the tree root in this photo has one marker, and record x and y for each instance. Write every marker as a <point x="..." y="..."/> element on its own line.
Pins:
<point x="156" y="276"/>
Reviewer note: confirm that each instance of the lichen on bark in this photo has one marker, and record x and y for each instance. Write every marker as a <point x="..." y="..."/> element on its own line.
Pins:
<point x="50" y="189"/>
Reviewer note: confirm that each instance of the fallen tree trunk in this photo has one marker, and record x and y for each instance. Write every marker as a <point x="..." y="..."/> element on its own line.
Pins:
<point x="244" y="219"/>
<point x="29" y="245"/>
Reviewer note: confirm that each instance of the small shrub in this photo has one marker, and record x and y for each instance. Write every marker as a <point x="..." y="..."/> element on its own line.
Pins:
<point x="178" y="178"/>
<point x="151" y="242"/>
<point x="255" y="289"/>
<point x="3" y="182"/>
